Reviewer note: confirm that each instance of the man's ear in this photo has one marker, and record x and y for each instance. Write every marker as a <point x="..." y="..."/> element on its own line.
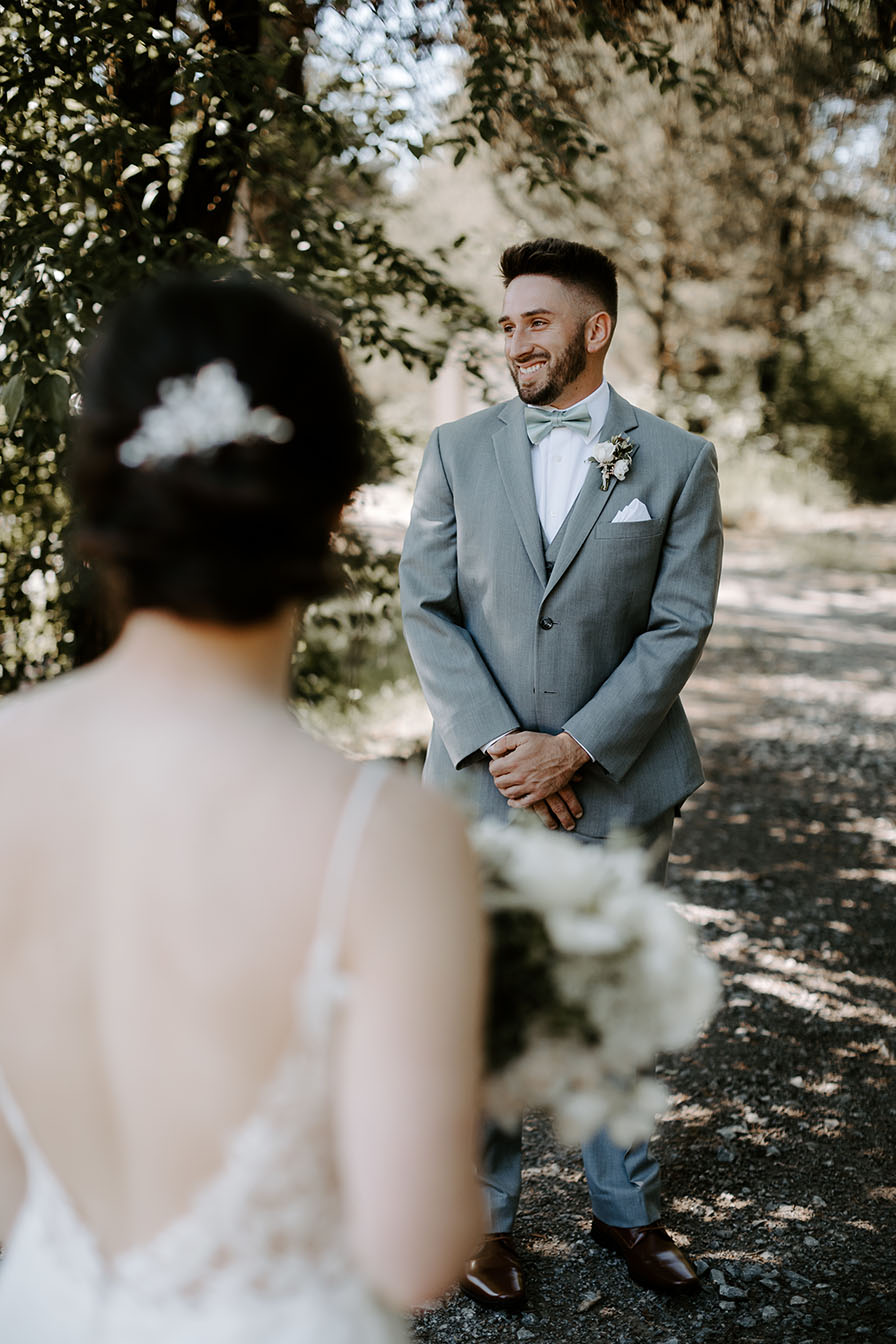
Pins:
<point x="598" y="330"/>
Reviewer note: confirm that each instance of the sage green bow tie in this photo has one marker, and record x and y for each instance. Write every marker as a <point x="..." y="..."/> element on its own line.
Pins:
<point x="540" y="420"/>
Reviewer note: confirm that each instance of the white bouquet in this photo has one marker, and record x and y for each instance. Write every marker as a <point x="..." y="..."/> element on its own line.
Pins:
<point x="592" y="972"/>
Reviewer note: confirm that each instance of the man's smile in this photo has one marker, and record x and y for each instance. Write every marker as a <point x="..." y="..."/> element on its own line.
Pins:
<point x="531" y="367"/>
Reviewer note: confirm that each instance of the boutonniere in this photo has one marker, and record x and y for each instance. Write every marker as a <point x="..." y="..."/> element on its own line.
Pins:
<point x="614" y="457"/>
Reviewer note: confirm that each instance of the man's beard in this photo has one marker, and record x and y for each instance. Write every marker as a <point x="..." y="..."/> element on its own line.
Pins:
<point x="560" y="370"/>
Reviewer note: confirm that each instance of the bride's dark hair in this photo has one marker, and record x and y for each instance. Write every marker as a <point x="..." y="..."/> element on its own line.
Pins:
<point x="231" y="535"/>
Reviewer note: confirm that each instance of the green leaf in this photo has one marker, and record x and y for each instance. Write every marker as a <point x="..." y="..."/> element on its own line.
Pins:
<point x="52" y="393"/>
<point x="12" y="396"/>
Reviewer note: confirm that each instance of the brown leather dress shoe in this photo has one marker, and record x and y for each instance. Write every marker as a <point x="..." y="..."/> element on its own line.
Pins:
<point x="651" y="1255"/>
<point x="494" y="1276"/>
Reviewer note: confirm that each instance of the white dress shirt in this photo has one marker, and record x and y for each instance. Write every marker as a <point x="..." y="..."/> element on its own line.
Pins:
<point x="560" y="463"/>
<point x="559" y="467"/>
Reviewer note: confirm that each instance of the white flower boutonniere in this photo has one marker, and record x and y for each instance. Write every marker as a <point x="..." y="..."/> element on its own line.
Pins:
<point x="614" y="457"/>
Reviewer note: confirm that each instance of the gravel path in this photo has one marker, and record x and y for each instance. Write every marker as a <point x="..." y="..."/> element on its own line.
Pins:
<point x="778" y="1147"/>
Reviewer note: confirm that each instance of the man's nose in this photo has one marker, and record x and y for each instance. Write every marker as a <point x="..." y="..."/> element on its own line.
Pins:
<point x="519" y="344"/>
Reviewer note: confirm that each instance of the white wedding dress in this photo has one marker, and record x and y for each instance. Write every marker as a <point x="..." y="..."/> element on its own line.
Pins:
<point x="260" y="1256"/>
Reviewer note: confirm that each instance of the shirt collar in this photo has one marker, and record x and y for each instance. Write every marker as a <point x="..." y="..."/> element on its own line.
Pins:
<point x="598" y="403"/>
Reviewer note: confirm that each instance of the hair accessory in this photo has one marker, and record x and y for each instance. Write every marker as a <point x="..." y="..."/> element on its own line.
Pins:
<point x="198" y="413"/>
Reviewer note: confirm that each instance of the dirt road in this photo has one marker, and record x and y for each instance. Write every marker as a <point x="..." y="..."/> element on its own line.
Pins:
<point x="778" y="1149"/>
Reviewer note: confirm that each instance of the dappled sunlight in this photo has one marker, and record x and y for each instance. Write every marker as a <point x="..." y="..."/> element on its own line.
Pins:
<point x="798" y="996"/>
<point x="786" y="862"/>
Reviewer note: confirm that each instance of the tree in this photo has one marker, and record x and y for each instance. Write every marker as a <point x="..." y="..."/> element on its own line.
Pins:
<point x="143" y="134"/>
<point x="733" y="215"/>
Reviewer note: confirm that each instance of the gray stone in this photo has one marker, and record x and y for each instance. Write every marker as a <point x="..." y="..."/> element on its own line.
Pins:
<point x="746" y="1322"/>
<point x="768" y="1313"/>
<point x="717" y="1276"/>
<point x="701" y="1266"/>
<point x="525" y="1334"/>
<point x="768" y="1282"/>
<point x="798" y="1301"/>
<point x="728" y="1290"/>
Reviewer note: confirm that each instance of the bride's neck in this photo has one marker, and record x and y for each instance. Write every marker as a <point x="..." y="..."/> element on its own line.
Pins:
<point x="165" y="649"/>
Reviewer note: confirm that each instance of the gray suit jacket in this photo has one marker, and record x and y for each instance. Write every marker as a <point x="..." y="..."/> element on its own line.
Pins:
<point x="601" y="647"/>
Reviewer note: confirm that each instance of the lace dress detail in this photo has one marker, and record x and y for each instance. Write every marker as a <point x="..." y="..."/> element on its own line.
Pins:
<point x="260" y="1255"/>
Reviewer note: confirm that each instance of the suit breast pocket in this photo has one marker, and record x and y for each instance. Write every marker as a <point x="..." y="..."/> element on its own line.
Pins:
<point x="629" y="533"/>
<point x="626" y="555"/>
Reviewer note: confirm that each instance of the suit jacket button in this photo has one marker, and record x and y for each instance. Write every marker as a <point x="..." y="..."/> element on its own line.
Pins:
<point x="546" y="623"/>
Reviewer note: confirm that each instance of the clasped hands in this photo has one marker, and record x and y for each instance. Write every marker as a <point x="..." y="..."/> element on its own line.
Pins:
<point x="536" y="771"/>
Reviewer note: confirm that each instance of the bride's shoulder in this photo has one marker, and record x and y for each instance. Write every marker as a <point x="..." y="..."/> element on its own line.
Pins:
<point x="25" y="710"/>
<point x="402" y="801"/>
<point x="30" y="719"/>
<point x="19" y="707"/>
<point x="416" y="841"/>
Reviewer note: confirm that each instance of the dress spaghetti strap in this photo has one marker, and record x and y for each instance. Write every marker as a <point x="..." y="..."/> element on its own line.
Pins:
<point x="15" y="1120"/>
<point x="326" y="944"/>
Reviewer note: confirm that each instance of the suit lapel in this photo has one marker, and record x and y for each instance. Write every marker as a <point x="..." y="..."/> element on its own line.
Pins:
<point x="514" y="454"/>
<point x="622" y="418"/>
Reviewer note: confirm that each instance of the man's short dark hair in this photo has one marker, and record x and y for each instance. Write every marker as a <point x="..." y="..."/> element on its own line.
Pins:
<point x="573" y="263"/>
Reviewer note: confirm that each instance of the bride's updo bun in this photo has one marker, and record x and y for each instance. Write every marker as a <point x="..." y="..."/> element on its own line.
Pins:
<point x="229" y="531"/>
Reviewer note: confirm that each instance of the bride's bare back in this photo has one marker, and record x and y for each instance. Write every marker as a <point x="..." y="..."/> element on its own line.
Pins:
<point x="166" y="832"/>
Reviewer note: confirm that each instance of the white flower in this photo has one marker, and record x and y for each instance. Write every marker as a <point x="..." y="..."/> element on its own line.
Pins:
<point x="626" y="971"/>
<point x="614" y="458"/>
<point x="635" y="1115"/>
<point x="198" y="413"/>
<point x="604" y="452"/>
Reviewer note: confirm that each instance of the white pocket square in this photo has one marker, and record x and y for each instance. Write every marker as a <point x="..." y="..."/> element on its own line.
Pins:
<point x="636" y="512"/>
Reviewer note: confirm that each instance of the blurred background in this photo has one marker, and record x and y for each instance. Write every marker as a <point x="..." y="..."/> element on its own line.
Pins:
<point x="736" y="159"/>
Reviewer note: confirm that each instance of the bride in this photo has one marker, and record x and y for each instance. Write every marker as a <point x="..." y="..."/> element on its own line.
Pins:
<point x="239" y="976"/>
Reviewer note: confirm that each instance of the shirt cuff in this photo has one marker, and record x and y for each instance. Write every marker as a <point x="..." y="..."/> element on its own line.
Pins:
<point x="576" y="740"/>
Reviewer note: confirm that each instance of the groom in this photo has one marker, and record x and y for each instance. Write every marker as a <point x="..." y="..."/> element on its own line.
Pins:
<point x="558" y="582"/>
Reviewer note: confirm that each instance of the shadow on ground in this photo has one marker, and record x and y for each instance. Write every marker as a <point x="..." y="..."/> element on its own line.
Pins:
<point x="778" y="1146"/>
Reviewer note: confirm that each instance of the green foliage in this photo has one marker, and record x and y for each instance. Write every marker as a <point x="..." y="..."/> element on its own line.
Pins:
<point x="353" y="642"/>
<point x="523" y="996"/>
<point x="524" y="96"/>
<point x="128" y="134"/>
<point x="743" y="215"/>
<point x="135" y="138"/>
<point x="836" y="384"/>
